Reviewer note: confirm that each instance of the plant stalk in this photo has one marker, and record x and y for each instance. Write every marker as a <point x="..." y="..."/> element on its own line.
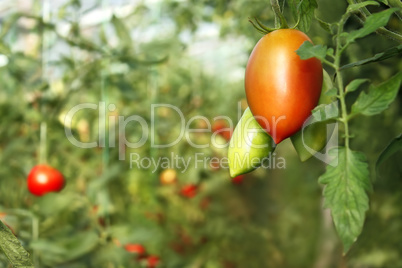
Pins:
<point x="339" y="49"/>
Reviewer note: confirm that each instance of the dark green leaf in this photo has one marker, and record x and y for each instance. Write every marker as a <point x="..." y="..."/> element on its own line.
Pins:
<point x="303" y="11"/>
<point x="308" y="50"/>
<point x="13" y="249"/>
<point x="346" y="181"/>
<point x="355" y="84"/>
<point x="394" y="146"/>
<point x="389" y="53"/>
<point x="378" y="98"/>
<point x="372" y="23"/>
<point x="354" y="7"/>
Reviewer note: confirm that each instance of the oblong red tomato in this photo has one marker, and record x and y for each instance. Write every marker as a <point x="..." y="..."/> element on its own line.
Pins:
<point x="281" y="88"/>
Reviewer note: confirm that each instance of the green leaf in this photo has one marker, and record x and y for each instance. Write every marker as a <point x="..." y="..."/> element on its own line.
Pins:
<point x="8" y="23"/>
<point x="394" y="146"/>
<point x="397" y="4"/>
<point x="346" y="181"/>
<point x="389" y="53"/>
<point x="378" y="98"/>
<point x="325" y="112"/>
<point x="332" y="92"/>
<point x="303" y="12"/>
<point x="122" y="32"/>
<point x="308" y="50"/>
<point x="355" y="84"/>
<point x="325" y="25"/>
<point x="355" y="7"/>
<point x="372" y="23"/>
<point x="13" y="249"/>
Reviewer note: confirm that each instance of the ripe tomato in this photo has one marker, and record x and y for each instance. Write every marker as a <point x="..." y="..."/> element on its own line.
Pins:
<point x="152" y="261"/>
<point x="189" y="190"/>
<point x="135" y="248"/>
<point x="221" y="128"/>
<point x="43" y="179"/>
<point x="238" y="179"/>
<point x="168" y="176"/>
<point x="282" y="89"/>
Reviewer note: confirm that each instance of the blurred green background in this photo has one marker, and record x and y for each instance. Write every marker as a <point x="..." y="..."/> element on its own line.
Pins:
<point x="191" y="54"/>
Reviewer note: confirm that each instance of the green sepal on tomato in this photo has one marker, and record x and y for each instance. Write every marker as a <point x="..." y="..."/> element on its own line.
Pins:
<point x="313" y="137"/>
<point x="248" y="146"/>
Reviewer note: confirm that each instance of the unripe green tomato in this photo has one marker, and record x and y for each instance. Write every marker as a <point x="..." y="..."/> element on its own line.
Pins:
<point x="249" y="145"/>
<point x="314" y="136"/>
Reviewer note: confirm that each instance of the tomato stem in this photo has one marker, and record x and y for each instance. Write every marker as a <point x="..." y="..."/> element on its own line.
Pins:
<point x="35" y="237"/>
<point x="42" y="143"/>
<point x="280" y="21"/>
<point x="337" y="64"/>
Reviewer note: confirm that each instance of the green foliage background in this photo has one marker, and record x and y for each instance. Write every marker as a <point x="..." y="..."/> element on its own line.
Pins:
<point x="190" y="54"/>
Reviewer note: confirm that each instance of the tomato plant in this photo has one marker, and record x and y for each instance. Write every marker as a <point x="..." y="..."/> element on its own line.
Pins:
<point x="281" y="88"/>
<point x="43" y="179"/>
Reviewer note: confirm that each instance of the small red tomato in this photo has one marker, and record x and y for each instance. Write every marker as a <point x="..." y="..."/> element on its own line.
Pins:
<point x="152" y="261"/>
<point x="43" y="179"/>
<point x="135" y="248"/>
<point x="238" y="179"/>
<point x="189" y="190"/>
<point x="221" y="128"/>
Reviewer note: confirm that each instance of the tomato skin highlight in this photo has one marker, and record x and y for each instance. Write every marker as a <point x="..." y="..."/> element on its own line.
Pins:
<point x="281" y="88"/>
<point x="43" y="179"/>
